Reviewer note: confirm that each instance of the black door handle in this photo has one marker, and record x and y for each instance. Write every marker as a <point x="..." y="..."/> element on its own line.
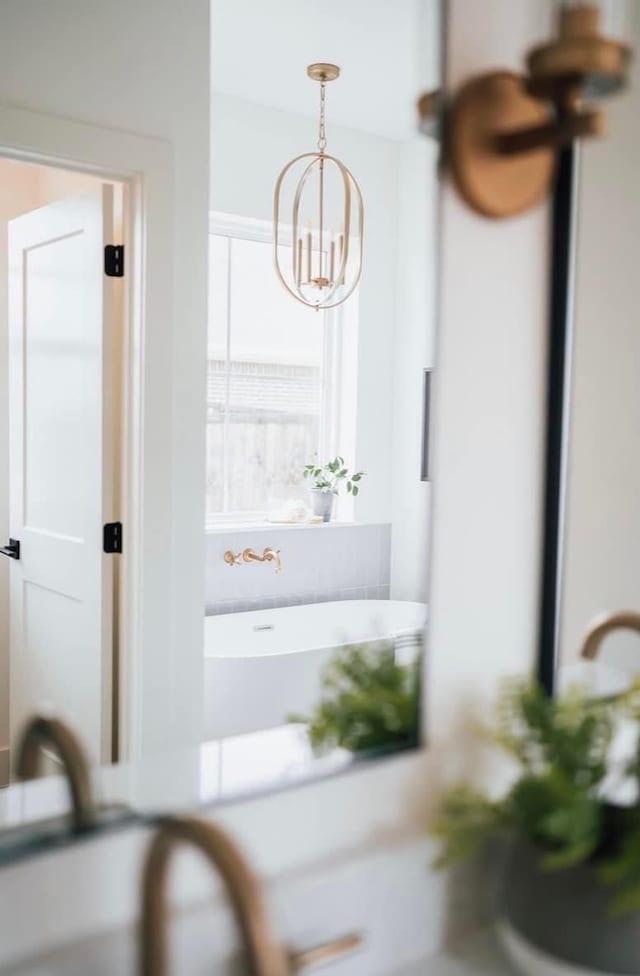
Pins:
<point x="12" y="550"/>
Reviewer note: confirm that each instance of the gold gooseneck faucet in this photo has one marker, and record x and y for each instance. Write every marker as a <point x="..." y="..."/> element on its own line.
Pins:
<point x="266" y="956"/>
<point x="601" y="626"/>
<point x="52" y="732"/>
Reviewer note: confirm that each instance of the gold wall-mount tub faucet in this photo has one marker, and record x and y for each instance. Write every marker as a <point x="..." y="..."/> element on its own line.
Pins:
<point x="249" y="555"/>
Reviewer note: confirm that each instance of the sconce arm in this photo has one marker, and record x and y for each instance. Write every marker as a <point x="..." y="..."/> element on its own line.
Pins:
<point x="550" y="135"/>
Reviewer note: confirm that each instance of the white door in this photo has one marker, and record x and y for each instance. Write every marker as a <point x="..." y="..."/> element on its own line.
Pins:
<point x="60" y="312"/>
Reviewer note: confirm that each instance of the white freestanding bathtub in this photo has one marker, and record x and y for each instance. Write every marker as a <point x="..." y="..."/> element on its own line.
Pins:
<point x="261" y="666"/>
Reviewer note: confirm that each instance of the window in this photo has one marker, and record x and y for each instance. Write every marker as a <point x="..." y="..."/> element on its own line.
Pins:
<point x="273" y="378"/>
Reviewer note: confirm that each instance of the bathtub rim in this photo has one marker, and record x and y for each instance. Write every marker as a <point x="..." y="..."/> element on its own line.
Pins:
<point x="210" y="654"/>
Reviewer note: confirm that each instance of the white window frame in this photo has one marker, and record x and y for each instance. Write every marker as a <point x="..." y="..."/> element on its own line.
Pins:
<point x="254" y="229"/>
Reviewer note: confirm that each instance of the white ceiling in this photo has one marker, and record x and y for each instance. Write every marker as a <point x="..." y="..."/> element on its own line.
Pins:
<point x="387" y="50"/>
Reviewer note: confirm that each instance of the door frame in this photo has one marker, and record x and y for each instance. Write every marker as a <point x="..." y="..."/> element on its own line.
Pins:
<point x="85" y="213"/>
<point x="145" y="166"/>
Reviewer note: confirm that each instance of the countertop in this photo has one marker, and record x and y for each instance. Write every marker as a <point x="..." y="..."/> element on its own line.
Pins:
<point x="480" y="956"/>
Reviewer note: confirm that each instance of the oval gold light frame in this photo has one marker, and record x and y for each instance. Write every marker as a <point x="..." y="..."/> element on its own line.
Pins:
<point x="352" y="192"/>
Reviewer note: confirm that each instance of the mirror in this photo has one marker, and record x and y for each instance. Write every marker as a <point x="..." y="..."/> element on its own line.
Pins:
<point x="318" y="371"/>
<point x="599" y="537"/>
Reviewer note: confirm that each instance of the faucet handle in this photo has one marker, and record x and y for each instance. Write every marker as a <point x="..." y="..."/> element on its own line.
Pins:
<point x="232" y="558"/>
<point x="328" y="952"/>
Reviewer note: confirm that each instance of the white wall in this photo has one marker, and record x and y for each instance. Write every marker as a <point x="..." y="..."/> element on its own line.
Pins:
<point x="250" y="145"/>
<point x="416" y="324"/>
<point x="489" y="415"/>
<point x="602" y="542"/>
<point x="413" y="353"/>
<point x="144" y="67"/>
<point x="486" y="545"/>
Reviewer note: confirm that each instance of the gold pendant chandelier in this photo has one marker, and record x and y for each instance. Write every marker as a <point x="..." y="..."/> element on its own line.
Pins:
<point x="318" y="253"/>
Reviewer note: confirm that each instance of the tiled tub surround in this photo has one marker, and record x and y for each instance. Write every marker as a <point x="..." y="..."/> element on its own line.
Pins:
<point x="336" y="561"/>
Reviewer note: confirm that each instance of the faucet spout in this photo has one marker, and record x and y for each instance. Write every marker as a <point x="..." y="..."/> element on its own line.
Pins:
<point x="269" y="555"/>
<point x="601" y="626"/>
<point x="273" y="555"/>
<point x="41" y="732"/>
<point x="266" y="956"/>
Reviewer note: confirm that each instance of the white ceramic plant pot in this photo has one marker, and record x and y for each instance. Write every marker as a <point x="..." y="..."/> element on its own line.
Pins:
<point x="322" y="503"/>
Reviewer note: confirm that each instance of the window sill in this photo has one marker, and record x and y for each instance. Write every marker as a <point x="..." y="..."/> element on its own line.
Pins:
<point x="222" y="527"/>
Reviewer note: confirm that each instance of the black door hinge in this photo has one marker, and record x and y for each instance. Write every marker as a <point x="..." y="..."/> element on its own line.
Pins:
<point x="12" y="550"/>
<point x="112" y="537"/>
<point x="114" y="260"/>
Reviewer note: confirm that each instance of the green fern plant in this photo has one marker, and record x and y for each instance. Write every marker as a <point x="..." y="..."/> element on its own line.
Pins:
<point x="559" y="802"/>
<point x="369" y="701"/>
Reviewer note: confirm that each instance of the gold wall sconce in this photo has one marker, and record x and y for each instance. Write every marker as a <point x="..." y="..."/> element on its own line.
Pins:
<point x="503" y="131"/>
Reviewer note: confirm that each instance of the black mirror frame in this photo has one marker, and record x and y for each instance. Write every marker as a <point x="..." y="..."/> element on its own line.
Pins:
<point x="557" y="411"/>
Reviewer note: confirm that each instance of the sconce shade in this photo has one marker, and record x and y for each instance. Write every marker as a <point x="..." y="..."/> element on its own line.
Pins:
<point x="580" y="58"/>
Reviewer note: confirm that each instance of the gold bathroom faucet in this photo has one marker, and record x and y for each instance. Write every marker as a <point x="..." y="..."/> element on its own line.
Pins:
<point x="41" y="732"/>
<point x="269" y="555"/>
<point x="601" y="626"/>
<point x="266" y="956"/>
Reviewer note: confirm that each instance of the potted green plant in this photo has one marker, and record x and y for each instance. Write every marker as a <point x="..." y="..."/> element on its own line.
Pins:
<point x="370" y="701"/>
<point x="326" y="480"/>
<point x="569" y="898"/>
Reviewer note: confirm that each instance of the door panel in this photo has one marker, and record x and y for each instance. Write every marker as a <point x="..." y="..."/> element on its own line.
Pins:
<point x="59" y="318"/>
<point x="60" y="362"/>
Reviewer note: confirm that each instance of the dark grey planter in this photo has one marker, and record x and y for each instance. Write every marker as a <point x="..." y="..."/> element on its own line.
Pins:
<point x="566" y="914"/>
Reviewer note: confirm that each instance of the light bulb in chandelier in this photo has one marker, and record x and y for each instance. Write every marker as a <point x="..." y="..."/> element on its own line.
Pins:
<point x="318" y="219"/>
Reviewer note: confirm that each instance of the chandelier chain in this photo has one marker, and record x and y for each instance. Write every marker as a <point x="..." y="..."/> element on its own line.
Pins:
<point x="322" y="137"/>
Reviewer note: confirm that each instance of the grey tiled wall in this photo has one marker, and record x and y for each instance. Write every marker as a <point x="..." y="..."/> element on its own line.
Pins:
<point x="319" y="563"/>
